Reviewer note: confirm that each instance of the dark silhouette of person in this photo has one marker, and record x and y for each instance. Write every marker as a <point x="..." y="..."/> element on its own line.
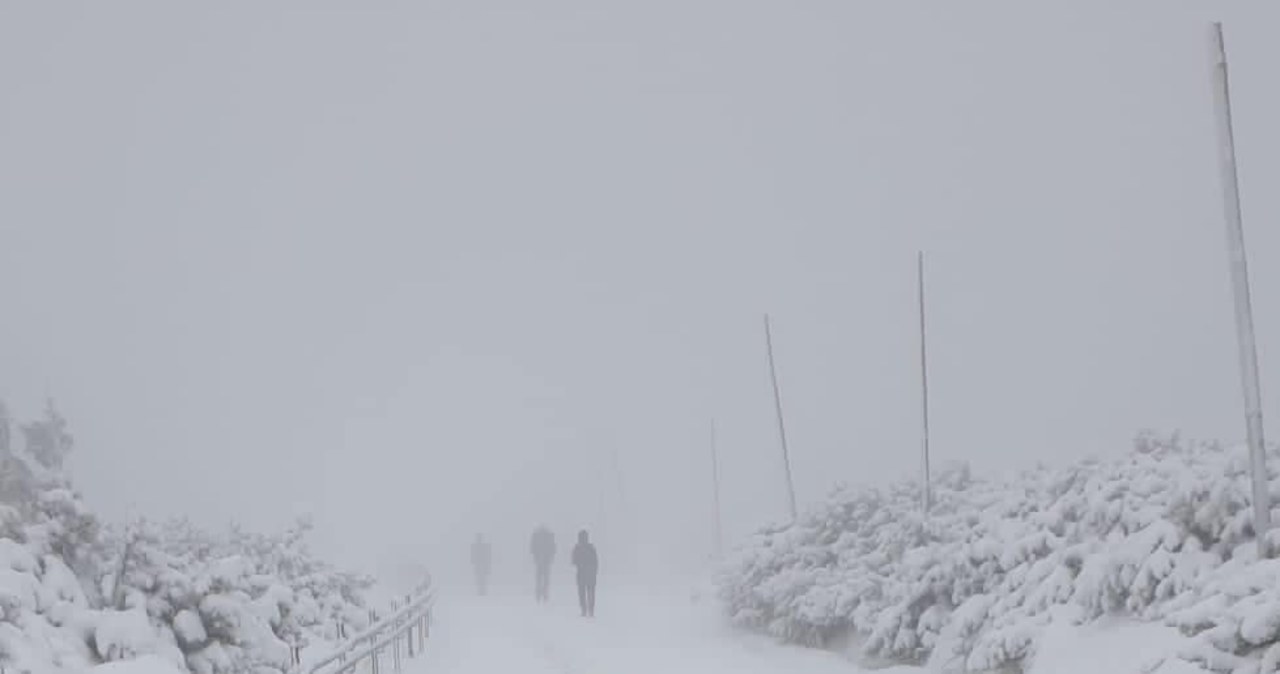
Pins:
<point x="482" y="562"/>
<point x="543" y="548"/>
<point x="588" y="563"/>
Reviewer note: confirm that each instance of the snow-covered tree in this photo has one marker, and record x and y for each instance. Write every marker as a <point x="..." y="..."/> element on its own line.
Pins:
<point x="48" y="441"/>
<point x="17" y="484"/>
<point x="75" y="592"/>
<point x="6" y="430"/>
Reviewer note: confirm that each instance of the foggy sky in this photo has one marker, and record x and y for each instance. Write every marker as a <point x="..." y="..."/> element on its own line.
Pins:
<point x="421" y="270"/>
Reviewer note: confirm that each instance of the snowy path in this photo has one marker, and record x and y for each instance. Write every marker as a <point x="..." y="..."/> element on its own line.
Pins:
<point x="633" y="633"/>
<point x="641" y="631"/>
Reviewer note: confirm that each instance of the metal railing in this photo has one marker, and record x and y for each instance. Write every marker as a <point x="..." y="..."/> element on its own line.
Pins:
<point x="401" y="635"/>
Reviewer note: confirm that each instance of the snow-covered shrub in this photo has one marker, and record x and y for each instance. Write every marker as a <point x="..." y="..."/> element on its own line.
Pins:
<point x="1164" y="533"/>
<point x="75" y="593"/>
<point x="232" y="601"/>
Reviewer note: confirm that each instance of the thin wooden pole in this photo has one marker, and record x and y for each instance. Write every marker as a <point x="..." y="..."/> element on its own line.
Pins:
<point x="1243" y="305"/>
<point x="782" y="429"/>
<point x="926" y="498"/>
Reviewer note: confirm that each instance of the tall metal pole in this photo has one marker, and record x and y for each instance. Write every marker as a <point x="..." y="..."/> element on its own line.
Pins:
<point x="715" y="485"/>
<point x="926" y="494"/>
<point x="782" y="429"/>
<point x="1243" y="305"/>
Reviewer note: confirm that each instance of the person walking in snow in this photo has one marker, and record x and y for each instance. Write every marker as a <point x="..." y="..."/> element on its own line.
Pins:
<point x="588" y="564"/>
<point x="543" y="548"/>
<point x="482" y="563"/>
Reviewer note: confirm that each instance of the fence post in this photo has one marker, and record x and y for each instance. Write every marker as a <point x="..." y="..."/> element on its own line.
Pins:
<point x="410" y="619"/>
<point x="395" y="643"/>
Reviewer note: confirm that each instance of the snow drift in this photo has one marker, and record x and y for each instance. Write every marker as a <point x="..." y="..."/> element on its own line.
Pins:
<point x="1162" y="534"/>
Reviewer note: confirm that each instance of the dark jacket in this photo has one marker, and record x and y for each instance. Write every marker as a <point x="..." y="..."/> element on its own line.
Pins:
<point x="543" y="546"/>
<point x="585" y="558"/>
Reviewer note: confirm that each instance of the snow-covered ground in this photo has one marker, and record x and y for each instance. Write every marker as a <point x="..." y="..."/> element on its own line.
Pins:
<point x="638" y="630"/>
<point x="645" y="630"/>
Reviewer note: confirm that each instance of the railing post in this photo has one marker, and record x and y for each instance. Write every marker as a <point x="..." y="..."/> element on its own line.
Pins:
<point x="410" y="620"/>
<point x="395" y="644"/>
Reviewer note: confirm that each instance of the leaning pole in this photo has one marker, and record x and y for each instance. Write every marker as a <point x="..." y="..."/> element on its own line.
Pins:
<point x="926" y="486"/>
<point x="782" y="429"/>
<point x="1240" y="283"/>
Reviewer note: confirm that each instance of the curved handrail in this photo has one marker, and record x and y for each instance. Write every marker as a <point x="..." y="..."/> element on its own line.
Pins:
<point x="414" y="615"/>
<point x="370" y="633"/>
<point x="424" y="592"/>
<point x="373" y="648"/>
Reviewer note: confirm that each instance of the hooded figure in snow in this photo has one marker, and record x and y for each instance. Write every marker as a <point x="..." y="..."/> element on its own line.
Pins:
<point x="588" y="563"/>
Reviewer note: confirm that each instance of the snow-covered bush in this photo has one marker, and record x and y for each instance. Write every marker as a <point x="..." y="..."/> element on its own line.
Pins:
<point x="75" y="593"/>
<point x="1164" y="533"/>
<point x="233" y="601"/>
